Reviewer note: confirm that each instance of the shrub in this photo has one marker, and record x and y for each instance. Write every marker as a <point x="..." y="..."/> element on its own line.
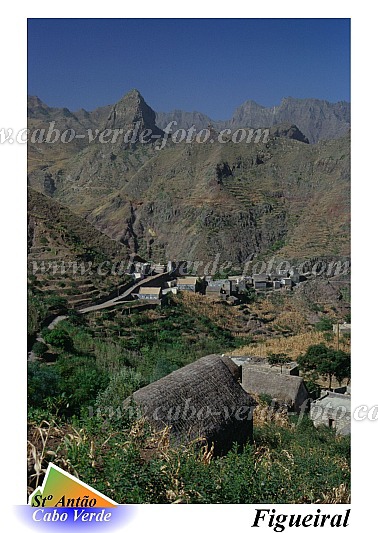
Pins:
<point x="39" y="348"/>
<point x="59" y="338"/>
<point x="110" y="401"/>
<point x="56" y="302"/>
<point x="265" y="399"/>
<point x="43" y="382"/>
<point x="81" y="381"/>
<point x="324" y="324"/>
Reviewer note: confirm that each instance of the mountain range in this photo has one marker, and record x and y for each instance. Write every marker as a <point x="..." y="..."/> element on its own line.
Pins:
<point x="289" y="196"/>
<point x="317" y="119"/>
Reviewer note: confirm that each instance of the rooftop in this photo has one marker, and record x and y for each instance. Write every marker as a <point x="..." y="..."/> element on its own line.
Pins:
<point x="208" y="387"/>
<point x="190" y="280"/>
<point x="149" y="290"/>
<point x="335" y="400"/>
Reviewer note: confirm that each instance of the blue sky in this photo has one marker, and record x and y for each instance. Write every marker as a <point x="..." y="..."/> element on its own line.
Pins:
<point x="208" y="65"/>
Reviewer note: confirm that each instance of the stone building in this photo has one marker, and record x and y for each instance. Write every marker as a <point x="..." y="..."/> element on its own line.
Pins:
<point x="332" y="410"/>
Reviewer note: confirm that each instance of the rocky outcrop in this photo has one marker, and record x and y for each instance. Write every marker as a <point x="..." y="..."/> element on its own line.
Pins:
<point x="131" y="111"/>
<point x="290" y="131"/>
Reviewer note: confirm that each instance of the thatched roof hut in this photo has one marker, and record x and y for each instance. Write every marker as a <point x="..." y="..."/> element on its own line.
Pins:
<point x="201" y="400"/>
<point x="285" y="388"/>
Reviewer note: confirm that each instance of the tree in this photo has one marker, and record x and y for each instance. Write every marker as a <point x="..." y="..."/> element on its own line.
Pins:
<point x="324" y="324"/>
<point x="59" y="339"/>
<point x="278" y="359"/>
<point x="343" y="366"/>
<point x="319" y="360"/>
<point x="75" y="318"/>
<point x="39" y="348"/>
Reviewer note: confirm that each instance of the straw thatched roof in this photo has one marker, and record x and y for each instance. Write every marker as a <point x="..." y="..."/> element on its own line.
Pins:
<point x="201" y="400"/>
<point x="285" y="388"/>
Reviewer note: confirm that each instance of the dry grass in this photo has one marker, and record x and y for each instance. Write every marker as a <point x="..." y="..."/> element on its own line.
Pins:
<point x="340" y="494"/>
<point x="263" y="415"/>
<point x="44" y="441"/>
<point x="293" y="346"/>
<point x="222" y="315"/>
<point x="48" y="441"/>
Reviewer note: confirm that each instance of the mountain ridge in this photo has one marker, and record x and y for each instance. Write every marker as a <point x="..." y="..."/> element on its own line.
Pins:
<point x="317" y="119"/>
<point x="190" y="201"/>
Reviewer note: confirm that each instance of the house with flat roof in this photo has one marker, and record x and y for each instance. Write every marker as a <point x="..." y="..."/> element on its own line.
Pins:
<point x="188" y="283"/>
<point x="220" y="288"/>
<point x="332" y="410"/>
<point x="261" y="363"/>
<point x="287" y="283"/>
<point x="158" y="268"/>
<point x="260" y="281"/>
<point x="143" y="268"/>
<point x="213" y="291"/>
<point x="149" y="293"/>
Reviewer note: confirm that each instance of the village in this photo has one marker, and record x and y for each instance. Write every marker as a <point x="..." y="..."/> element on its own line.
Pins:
<point x="252" y="377"/>
<point x="281" y="384"/>
<point x="230" y="289"/>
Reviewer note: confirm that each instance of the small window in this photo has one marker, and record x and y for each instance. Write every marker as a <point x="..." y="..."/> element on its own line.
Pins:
<point x="331" y="423"/>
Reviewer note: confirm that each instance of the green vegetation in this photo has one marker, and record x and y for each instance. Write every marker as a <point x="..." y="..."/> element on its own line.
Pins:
<point x="292" y="462"/>
<point x="319" y="360"/>
<point x="277" y="245"/>
<point x="133" y="350"/>
<point x="286" y="197"/>
<point x="265" y="399"/>
<point x="102" y="358"/>
<point x="37" y="310"/>
<point x="324" y="324"/>
<point x="43" y="383"/>
<point x="278" y="359"/>
<point x="249" y="296"/>
<point x="59" y="339"/>
<point x="39" y="348"/>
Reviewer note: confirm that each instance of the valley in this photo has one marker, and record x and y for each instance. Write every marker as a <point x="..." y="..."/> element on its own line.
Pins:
<point x="117" y="303"/>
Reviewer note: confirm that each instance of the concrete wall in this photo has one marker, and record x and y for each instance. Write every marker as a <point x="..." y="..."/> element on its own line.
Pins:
<point x="289" y="390"/>
<point x="332" y="410"/>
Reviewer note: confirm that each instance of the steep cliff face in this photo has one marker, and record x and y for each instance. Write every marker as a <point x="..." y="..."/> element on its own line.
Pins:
<point x="132" y="111"/>
<point x="92" y="161"/>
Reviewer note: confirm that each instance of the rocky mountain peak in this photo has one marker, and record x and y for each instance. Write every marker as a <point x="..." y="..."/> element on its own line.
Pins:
<point x="37" y="108"/>
<point x="130" y="110"/>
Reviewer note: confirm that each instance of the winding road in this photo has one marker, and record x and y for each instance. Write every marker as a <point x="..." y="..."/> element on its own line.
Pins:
<point x="120" y="299"/>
